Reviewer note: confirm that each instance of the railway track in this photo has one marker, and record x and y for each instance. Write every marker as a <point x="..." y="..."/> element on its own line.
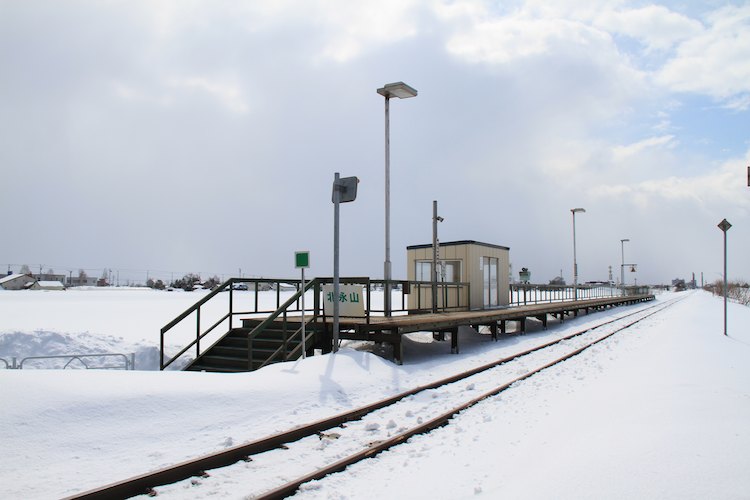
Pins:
<point x="332" y="444"/>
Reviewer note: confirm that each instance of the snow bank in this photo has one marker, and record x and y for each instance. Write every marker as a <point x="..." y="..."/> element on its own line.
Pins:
<point x="659" y="412"/>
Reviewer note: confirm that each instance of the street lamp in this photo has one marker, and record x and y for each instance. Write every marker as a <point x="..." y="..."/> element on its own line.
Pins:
<point x="402" y="91"/>
<point x="575" y="265"/>
<point x="622" y="265"/>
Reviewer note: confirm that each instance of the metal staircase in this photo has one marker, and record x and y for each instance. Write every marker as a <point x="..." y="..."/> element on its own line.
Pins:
<point x="238" y="336"/>
<point x="265" y="336"/>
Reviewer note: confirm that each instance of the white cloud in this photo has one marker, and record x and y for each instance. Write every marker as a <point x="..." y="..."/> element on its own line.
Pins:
<point x="502" y="40"/>
<point x="739" y="103"/>
<point x="225" y="91"/>
<point x="354" y="27"/>
<point x="714" y="62"/>
<point x="654" y="25"/>
<point x="722" y="186"/>
<point x="621" y="153"/>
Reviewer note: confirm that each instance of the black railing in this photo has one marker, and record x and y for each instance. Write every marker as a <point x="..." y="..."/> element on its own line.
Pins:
<point x="128" y="362"/>
<point x="523" y="294"/>
<point x="205" y="311"/>
<point x="226" y="290"/>
<point x="451" y="296"/>
<point x="283" y="353"/>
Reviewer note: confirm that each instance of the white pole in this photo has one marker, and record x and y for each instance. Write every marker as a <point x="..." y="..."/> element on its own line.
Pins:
<point x="724" y="225"/>
<point x="622" y="266"/>
<point x="575" y="265"/>
<point x="336" y="198"/>
<point x="387" y="263"/>
<point x="303" y="313"/>
<point x="725" y="283"/>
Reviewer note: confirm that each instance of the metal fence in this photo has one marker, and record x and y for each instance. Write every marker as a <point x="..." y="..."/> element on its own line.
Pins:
<point x="99" y="361"/>
<point x="523" y="294"/>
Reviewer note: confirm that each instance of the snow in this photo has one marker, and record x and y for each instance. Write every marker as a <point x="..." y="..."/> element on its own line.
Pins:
<point x="657" y="411"/>
<point x="85" y="320"/>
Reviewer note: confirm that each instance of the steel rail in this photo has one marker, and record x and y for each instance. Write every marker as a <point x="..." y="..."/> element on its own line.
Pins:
<point x="145" y="483"/>
<point x="292" y="486"/>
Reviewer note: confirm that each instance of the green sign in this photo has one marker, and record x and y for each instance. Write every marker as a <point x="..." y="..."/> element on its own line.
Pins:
<point x="302" y="259"/>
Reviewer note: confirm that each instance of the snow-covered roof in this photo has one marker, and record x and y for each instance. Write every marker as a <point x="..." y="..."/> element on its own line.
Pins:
<point x="50" y="284"/>
<point x="10" y="277"/>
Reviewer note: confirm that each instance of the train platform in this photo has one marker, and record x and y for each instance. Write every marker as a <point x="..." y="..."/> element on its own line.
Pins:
<point x="391" y="329"/>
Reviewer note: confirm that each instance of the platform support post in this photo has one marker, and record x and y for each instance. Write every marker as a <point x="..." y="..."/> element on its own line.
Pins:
<point x="454" y="340"/>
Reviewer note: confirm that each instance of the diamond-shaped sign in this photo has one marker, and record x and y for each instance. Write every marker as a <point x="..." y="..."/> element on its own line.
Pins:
<point x="724" y="225"/>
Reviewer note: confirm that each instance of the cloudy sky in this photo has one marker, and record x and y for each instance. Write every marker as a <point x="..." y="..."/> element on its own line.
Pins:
<point x="176" y="136"/>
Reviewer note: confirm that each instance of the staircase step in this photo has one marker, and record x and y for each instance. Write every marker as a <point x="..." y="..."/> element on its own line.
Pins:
<point x="230" y="354"/>
<point x="217" y="369"/>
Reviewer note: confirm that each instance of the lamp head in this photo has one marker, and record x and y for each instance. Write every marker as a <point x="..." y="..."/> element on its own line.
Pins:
<point x="397" y="89"/>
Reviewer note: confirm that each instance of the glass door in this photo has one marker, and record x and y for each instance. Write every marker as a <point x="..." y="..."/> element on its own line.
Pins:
<point x="489" y="272"/>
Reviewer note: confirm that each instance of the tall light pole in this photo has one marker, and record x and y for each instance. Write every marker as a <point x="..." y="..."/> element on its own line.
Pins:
<point x="402" y="91"/>
<point x="622" y="265"/>
<point x="575" y="264"/>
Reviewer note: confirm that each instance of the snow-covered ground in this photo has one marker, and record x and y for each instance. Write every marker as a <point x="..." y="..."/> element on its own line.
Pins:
<point x="114" y="320"/>
<point x="658" y="411"/>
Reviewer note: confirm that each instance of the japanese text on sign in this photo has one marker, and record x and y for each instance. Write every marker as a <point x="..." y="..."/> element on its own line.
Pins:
<point x="350" y="300"/>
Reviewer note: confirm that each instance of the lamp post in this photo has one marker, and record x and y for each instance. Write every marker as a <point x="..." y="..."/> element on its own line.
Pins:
<point x="575" y="264"/>
<point x="622" y="265"/>
<point x="402" y="91"/>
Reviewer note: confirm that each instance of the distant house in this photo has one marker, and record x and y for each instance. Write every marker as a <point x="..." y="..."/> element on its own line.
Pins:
<point x="81" y="281"/>
<point x="47" y="285"/>
<point x="16" y="281"/>
<point x="50" y="277"/>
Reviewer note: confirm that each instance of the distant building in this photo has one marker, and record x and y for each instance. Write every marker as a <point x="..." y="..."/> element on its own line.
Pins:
<point x="16" y="282"/>
<point x="50" y="277"/>
<point x="47" y="285"/>
<point x="82" y="281"/>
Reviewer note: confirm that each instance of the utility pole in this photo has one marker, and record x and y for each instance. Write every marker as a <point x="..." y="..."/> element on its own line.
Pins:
<point x="435" y="219"/>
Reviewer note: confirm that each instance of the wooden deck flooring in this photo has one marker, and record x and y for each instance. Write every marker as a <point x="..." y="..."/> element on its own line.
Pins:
<point x="390" y="329"/>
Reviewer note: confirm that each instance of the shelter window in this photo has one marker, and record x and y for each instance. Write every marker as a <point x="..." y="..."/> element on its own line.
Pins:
<point x="449" y="271"/>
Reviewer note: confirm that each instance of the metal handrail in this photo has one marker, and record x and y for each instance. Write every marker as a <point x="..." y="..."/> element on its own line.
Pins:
<point x="129" y="363"/>
<point x="291" y="354"/>
<point x="263" y="325"/>
<point x="443" y="288"/>
<point x="283" y="308"/>
<point x="557" y="293"/>
<point x="317" y="308"/>
<point x="228" y="285"/>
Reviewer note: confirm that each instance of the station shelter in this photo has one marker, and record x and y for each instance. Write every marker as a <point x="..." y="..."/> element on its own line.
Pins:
<point x="483" y="266"/>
